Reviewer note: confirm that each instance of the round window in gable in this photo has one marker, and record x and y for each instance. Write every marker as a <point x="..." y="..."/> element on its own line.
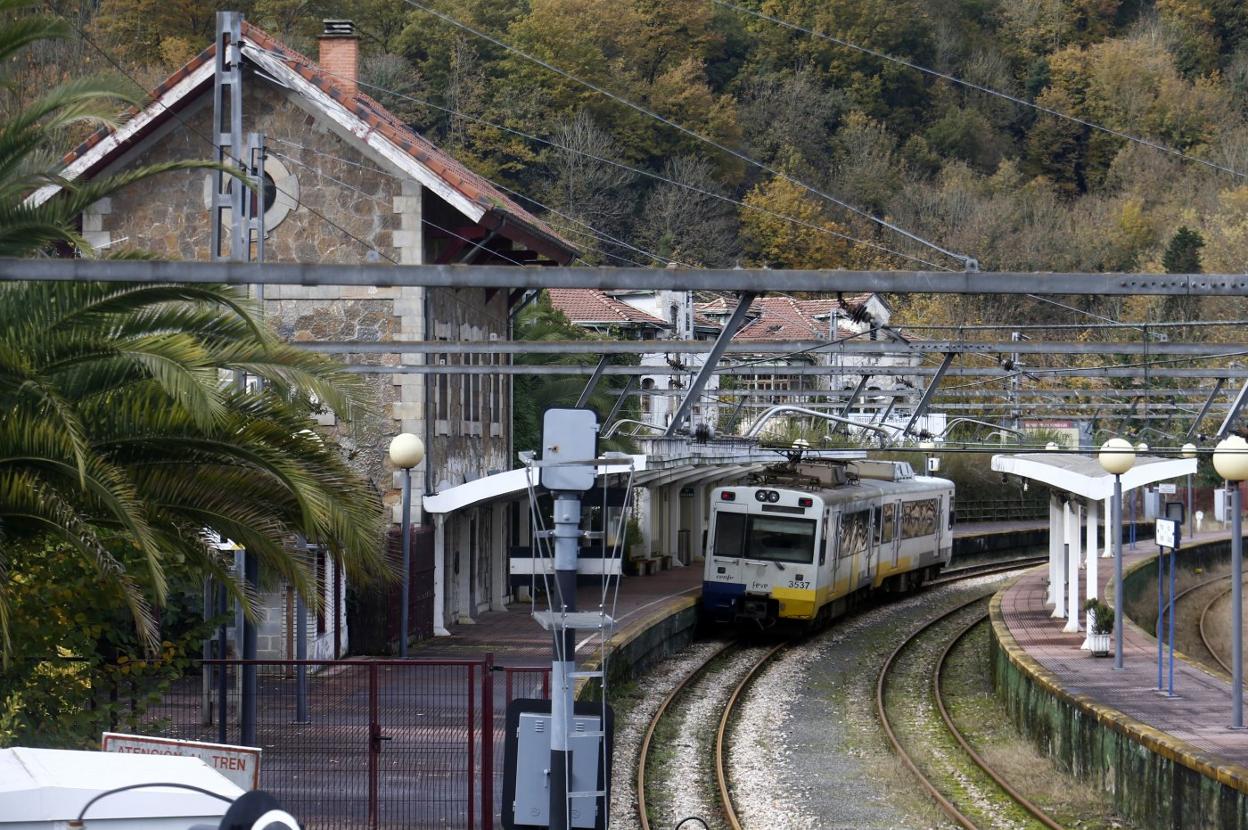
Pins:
<point x="281" y="193"/>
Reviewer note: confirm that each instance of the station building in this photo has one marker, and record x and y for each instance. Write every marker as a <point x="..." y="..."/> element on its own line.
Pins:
<point x="347" y="181"/>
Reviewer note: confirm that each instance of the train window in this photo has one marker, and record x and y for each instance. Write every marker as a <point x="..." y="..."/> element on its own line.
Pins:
<point x="853" y="534"/>
<point x="729" y="534"/>
<point x="887" y="524"/>
<point x="918" y="518"/>
<point x="781" y="540"/>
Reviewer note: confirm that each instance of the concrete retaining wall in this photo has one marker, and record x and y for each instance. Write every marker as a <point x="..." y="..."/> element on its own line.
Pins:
<point x="1158" y="782"/>
<point x="640" y="644"/>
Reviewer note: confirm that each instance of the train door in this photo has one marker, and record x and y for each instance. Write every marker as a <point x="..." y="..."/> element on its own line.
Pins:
<point x="832" y="527"/>
<point x="940" y="522"/>
<point x="873" y="542"/>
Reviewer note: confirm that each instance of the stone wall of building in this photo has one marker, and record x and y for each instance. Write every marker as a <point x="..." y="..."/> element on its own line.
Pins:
<point x="337" y="204"/>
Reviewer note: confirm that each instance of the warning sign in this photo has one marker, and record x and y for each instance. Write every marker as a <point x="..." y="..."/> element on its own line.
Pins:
<point x="240" y="764"/>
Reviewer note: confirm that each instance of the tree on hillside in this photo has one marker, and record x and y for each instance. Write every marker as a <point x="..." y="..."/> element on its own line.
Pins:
<point x="1182" y="254"/>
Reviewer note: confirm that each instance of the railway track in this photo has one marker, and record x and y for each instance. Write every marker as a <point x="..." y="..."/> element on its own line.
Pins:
<point x="1214" y="659"/>
<point x="985" y="569"/>
<point x="911" y="648"/>
<point x="707" y="671"/>
<point x="1205" y="637"/>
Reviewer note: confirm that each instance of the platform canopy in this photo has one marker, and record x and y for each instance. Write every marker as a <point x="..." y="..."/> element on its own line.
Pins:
<point x="1082" y="475"/>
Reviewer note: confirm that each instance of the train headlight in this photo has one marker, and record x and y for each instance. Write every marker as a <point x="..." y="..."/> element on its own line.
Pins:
<point x="773" y="496"/>
<point x="760" y="495"/>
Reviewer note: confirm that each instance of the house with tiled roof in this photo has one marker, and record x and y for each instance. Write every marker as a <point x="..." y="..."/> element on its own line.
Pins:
<point x="778" y="317"/>
<point x="348" y="182"/>
<point x="598" y="311"/>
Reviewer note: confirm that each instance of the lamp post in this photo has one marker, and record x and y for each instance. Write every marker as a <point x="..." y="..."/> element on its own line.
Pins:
<point x="1189" y="451"/>
<point x="1230" y="459"/>
<point x="1116" y="457"/>
<point x="406" y="451"/>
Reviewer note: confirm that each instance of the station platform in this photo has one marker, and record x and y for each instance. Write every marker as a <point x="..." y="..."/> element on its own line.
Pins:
<point x="1192" y="728"/>
<point x="515" y="638"/>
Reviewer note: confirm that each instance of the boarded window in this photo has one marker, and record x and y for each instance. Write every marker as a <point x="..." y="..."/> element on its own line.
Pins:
<point x="854" y="528"/>
<point x="918" y="518"/>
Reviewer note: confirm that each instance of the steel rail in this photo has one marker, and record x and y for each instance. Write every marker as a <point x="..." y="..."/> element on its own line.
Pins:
<point x="1027" y="804"/>
<point x="985" y="569"/>
<point x="644" y="754"/>
<point x="1204" y="637"/>
<point x="881" y="711"/>
<point x="721" y="774"/>
<point x="1191" y="589"/>
<point x="604" y="278"/>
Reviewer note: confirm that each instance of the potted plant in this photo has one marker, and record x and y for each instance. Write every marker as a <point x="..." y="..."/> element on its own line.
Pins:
<point x="1100" y="627"/>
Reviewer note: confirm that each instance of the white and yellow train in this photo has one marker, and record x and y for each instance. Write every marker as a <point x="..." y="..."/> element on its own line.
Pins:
<point x="801" y="543"/>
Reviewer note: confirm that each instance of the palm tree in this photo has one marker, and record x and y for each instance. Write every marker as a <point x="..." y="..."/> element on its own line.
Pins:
<point x="118" y="438"/>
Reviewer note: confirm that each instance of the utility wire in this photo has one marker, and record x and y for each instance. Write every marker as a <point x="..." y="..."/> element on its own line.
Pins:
<point x="968" y="263"/>
<point x="641" y="172"/>
<point x="1144" y="142"/>
<point x="598" y="234"/>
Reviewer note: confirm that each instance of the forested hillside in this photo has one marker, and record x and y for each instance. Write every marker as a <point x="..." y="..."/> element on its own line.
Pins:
<point x="1004" y="183"/>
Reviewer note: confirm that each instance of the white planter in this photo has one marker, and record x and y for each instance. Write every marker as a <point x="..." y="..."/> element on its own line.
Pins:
<point x="1098" y="644"/>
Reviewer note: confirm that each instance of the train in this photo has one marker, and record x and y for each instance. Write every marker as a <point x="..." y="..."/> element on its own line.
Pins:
<point x="800" y="543"/>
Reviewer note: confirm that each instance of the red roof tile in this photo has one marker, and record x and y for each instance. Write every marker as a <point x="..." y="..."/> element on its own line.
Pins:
<point x="588" y="305"/>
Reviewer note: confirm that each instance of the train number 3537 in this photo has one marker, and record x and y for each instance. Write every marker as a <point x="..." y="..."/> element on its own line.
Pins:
<point x="793" y="583"/>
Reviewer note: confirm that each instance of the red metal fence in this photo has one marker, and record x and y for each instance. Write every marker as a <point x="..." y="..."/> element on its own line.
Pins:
<point x="375" y="743"/>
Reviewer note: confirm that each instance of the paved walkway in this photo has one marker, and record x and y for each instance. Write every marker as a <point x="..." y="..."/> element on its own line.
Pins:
<point x="1200" y="714"/>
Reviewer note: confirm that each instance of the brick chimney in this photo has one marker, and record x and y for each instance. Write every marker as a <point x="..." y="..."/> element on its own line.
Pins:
<point x="340" y="52"/>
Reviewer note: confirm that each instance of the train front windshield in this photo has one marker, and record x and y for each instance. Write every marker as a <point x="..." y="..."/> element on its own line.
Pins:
<point x="765" y="538"/>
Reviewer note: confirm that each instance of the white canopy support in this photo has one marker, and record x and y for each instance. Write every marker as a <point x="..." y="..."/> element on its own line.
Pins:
<point x="1080" y="478"/>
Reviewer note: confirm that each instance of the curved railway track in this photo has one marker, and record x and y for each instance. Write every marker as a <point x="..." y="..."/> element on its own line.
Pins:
<point x="945" y="803"/>
<point x="986" y="569"/>
<point x="723" y="786"/>
<point x="721" y="778"/>
<point x="1204" y="631"/>
<point x="1204" y="613"/>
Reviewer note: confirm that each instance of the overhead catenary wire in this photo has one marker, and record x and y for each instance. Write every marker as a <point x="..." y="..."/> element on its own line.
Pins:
<point x="926" y="70"/>
<point x="968" y="263"/>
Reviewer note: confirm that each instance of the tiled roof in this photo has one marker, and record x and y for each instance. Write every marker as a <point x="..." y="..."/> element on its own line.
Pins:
<point x="585" y="306"/>
<point x="512" y="221"/>
<point x="783" y="318"/>
<point x="779" y="317"/>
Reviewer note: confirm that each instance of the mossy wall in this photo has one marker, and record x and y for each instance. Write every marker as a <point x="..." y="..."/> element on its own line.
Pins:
<point x="1157" y="782"/>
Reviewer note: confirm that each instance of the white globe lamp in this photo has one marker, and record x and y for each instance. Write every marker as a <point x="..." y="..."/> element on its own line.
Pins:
<point x="1117" y="456"/>
<point x="406" y="451"/>
<point x="1230" y="458"/>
